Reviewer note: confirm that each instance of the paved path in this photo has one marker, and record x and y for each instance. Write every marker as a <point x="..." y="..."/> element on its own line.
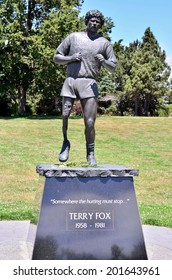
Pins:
<point x="17" y="241"/>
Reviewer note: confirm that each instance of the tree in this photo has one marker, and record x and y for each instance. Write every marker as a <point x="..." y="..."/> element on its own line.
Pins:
<point x="121" y="73"/>
<point x="18" y="52"/>
<point x="143" y="76"/>
<point x="21" y="45"/>
<point x="153" y="74"/>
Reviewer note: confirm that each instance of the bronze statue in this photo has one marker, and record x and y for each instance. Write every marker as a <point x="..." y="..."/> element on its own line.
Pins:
<point x="84" y="53"/>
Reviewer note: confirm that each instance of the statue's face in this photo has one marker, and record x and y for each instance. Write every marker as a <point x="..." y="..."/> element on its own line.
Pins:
<point x="94" y="24"/>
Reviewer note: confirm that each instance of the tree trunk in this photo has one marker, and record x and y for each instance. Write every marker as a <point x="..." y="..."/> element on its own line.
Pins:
<point x="136" y="102"/>
<point x="30" y="15"/>
<point x="22" y="100"/>
<point x="146" y="105"/>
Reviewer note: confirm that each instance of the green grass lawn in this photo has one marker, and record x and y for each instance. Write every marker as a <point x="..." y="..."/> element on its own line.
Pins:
<point x="136" y="142"/>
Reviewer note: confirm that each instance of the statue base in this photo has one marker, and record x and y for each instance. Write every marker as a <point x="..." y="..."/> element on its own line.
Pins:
<point x="89" y="213"/>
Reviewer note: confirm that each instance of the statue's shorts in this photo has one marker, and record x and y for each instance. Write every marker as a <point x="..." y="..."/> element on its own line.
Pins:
<point x="79" y="88"/>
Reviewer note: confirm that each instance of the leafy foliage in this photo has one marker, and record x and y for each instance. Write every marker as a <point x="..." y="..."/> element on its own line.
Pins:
<point x="30" y="31"/>
<point x="142" y="76"/>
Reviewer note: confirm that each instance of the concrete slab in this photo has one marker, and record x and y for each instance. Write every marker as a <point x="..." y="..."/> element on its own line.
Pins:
<point x="17" y="241"/>
<point x="158" y="242"/>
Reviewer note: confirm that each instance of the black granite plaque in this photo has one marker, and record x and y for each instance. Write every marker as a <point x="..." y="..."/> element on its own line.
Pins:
<point x="89" y="218"/>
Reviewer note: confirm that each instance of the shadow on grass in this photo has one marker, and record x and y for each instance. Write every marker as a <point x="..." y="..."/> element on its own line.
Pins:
<point x="38" y="117"/>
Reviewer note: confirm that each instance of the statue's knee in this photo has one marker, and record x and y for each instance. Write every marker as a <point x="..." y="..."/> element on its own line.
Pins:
<point x="90" y="123"/>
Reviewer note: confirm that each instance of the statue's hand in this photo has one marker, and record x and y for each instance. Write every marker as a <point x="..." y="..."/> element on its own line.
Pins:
<point x="100" y="57"/>
<point x="76" y="57"/>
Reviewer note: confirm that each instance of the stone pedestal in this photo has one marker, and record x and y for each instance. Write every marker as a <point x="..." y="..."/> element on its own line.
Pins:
<point x="89" y="213"/>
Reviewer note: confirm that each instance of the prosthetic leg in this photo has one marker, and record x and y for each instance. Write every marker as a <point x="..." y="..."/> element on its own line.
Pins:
<point x="64" y="154"/>
<point x="67" y="107"/>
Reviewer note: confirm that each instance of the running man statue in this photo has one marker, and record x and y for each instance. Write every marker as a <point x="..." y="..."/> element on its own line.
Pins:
<point x="84" y="53"/>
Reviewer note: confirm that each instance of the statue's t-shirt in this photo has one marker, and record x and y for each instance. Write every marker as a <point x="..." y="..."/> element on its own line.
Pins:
<point x="89" y="66"/>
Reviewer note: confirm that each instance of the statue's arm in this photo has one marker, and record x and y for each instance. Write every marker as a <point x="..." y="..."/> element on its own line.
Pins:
<point x="65" y="59"/>
<point x="108" y="64"/>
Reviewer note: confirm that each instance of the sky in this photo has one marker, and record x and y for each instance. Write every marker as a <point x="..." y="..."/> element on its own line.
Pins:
<point x="132" y="17"/>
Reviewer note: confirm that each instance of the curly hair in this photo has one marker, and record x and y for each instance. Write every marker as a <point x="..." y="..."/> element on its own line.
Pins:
<point x="94" y="13"/>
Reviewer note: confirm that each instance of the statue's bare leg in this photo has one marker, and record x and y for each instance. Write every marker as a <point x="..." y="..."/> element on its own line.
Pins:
<point x="66" y="110"/>
<point x="89" y="107"/>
